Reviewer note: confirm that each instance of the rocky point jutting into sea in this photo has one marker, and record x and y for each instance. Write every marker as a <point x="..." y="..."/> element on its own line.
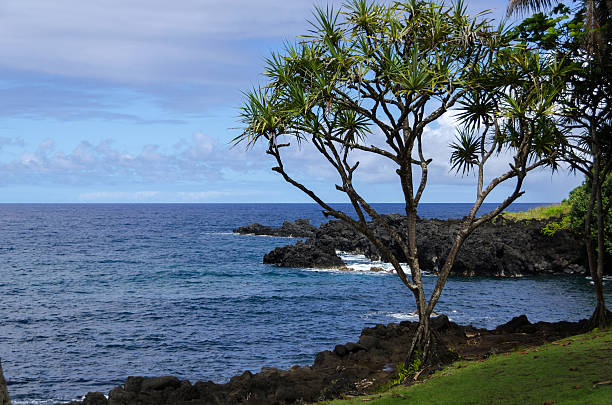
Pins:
<point x="502" y="249"/>
<point x="99" y="293"/>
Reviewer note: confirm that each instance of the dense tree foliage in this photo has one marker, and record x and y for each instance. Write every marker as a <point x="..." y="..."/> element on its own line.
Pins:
<point x="372" y="78"/>
<point x="584" y="39"/>
<point x="579" y="202"/>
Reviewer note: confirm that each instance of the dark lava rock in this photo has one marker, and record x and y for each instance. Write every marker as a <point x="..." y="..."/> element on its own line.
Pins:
<point x="95" y="398"/>
<point x="341" y="350"/>
<point x="352" y="368"/>
<point x="516" y="324"/>
<point x="298" y="229"/>
<point x="501" y="249"/>
<point x="307" y="255"/>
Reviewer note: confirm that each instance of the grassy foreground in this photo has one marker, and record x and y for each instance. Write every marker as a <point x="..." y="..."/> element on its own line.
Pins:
<point x="564" y="372"/>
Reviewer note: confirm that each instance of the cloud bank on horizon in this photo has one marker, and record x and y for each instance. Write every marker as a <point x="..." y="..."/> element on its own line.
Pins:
<point x="136" y="101"/>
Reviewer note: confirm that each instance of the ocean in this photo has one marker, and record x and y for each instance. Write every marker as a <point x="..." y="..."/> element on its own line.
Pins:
<point x="93" y="293"/>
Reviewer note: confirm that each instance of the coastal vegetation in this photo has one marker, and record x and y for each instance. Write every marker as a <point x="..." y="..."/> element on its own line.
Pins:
<point x="539" y="213"/>
<point x="568" y="371"/>
<point x="579" y="201"/>
<point x="370" y="79"/>
<point x="582" y="39"/>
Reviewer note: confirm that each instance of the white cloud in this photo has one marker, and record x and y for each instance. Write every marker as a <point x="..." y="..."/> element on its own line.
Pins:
<point x="142" y="40"/>
<point x="117" y="196"/>
<point x="191" y="159"/>
<point x="162" y="196"/>
<point x="205" y="41"/>
<point x="204" y="196"/>
<point x="308" y="166"/>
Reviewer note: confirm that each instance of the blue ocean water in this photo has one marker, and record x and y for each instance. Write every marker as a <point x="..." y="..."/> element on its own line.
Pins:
<point x="91" y="294"/>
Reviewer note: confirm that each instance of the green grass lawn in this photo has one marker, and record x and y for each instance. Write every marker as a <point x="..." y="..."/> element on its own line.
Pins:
<point x="560" y="373"/>
<point x="545" y="212"/>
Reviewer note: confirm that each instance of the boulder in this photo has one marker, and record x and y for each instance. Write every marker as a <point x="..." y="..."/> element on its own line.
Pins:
<point x="517" y="324"/>
<point x="95" y="398"/>
<point x="305" y="255"/>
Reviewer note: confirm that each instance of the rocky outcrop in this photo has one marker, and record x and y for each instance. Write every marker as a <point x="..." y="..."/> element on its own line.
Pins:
<point x="4" y="396"/>
<point x="298" y="229"/>
<point x="502" y="249"/>
<point x="311" y="255"/>
<point x="352" y="368"/>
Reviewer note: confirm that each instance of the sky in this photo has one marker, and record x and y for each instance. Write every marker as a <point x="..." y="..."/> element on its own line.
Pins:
<point x="137" y="101"/>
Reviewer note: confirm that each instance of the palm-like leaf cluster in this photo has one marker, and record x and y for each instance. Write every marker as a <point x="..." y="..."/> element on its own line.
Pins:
<point x="369" y="64"/>
<point x="515" y="107"/>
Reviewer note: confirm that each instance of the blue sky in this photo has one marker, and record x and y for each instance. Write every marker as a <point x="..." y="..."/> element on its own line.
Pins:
<point x="136" y="101"/>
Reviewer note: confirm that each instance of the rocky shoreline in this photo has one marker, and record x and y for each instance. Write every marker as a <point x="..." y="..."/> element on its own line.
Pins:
<point x="501" y="249"/>
<point x="350" y="369"/>
<point x="506" y="249"/>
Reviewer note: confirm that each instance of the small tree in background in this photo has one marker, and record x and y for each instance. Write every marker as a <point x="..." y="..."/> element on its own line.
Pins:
<point x="584" y="40"/>
<point x="389" y="71"/>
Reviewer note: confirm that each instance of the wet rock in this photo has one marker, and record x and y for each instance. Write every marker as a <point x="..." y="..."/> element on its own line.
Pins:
<point x="160" y="383"/>
<point x="354" y="347"/>
<point x="441" y="323"/>
<point x="352" y="368"/>
<point x="153" y="390"/>
<point x="325" y="359"/>
<point x="501" y="249"/>
<point x="306" y="255"/>
<point x="368" y="342"/>
<point x="95" y="398"/>
<point x="516" y="324"/>
<point x="341" y="350"/>
<point x="302" y="228"/>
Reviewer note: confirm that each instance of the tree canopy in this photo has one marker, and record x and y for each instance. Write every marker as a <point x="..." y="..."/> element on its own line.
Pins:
<point x="583" y="39"/>
<point x="388" y="71"/>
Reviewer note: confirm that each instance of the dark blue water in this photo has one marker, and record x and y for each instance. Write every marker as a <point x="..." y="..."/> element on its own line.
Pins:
<point x="91" y="294"/>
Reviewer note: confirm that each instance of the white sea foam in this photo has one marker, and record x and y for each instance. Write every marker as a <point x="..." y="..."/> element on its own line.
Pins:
<point x="349" y="269"/>
<point x="605" y="279"/>
<point x="254" y="234"/>
<point x="403" y="316"/>
<point x="361" y="263"/>
<point x="400" y="316"/>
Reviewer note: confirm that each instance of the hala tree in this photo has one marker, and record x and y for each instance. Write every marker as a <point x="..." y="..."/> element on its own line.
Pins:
<point x="586" y="112"/>
<point x="595" y="12"/>
<point x="377" y="71"/>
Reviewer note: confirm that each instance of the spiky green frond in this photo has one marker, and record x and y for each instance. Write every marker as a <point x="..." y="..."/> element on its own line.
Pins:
<point x="260" y="117"/>
<point x="477" y="108"/>
<point x="351" y="126"/>
<point x="465" y="151"/>
<point x="523" y="6"/>
<point x="325" y="25"/>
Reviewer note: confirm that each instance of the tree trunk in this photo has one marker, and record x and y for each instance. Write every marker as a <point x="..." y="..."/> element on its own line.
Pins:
<point x="419" y="349"/>
<point x="601" y="316"/>
<point x="4" y="396"/>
